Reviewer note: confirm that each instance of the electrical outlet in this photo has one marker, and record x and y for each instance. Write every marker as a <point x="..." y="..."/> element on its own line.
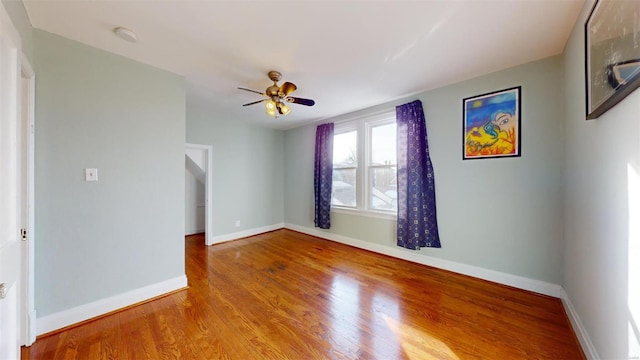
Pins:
<point x="237" y="223"/>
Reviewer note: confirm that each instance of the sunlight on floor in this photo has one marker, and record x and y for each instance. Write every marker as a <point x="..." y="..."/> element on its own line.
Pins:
<point x="417" y="344"/>
<point x="390" y="335"/>
<point x="633" y="278"/>
<point x="345" y="303"/>
<point x="384" y="305"/>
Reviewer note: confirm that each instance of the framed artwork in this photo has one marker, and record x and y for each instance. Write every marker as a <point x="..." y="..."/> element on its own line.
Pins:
<point x="491" y="125"/>
<point x="612" y="54"/>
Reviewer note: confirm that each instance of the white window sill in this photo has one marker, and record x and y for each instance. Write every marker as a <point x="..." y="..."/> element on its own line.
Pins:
<point x="358" y="212"/>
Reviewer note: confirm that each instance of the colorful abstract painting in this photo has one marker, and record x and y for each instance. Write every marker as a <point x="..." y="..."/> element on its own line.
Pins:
<point x="491" y="125"/>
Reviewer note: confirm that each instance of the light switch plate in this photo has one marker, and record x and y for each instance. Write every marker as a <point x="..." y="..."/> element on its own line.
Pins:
<point x="91" y="174"/>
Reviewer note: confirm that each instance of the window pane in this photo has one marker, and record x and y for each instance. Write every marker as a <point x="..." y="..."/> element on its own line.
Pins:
<point x="345" y="151"/>
<point x="384" y="195"/>
<point x="343" y="188"/>
<point x="383" y="144"/>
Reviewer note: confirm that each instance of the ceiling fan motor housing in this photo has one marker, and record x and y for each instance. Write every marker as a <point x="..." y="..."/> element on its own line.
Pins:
<point x="272" y="91"/>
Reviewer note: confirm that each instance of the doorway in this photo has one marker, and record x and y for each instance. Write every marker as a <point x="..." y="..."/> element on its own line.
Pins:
<point x="198" y="204"/>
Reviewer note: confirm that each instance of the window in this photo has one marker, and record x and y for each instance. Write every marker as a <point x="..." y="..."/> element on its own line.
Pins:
<point x="364" y="165"/>
<point x="382" y="168"/>
<point x="345" y="167"/>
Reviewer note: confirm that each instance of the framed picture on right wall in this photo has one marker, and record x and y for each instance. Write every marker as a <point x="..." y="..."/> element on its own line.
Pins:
<point x="612" y="54"/>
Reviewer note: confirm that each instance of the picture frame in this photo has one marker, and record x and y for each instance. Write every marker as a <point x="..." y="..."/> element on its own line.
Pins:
<point x="491" y="125"/>
<point x="612" y="57"/>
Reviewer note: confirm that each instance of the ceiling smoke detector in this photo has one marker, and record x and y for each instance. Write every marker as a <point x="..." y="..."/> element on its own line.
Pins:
<point x="125" y="34"/>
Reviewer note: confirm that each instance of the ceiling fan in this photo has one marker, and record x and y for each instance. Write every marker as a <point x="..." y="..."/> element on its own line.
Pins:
<point x="278" y="95"/>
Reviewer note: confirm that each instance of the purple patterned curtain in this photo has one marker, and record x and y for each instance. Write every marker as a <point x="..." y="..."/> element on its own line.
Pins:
<point x="323" y="175"/>
<point x="417" y="225"/>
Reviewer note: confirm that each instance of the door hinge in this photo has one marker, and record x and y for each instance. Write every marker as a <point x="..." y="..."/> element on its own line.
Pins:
<point x="23" y="234"/>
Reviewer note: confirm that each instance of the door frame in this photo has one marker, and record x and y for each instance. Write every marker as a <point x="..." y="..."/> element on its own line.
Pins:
<point x="27" y="156"/>
<point x="10" y="206"/>
<point x="208" y="189"/>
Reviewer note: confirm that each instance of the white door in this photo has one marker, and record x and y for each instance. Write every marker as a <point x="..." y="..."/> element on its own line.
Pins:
<point x="9" y="194"/>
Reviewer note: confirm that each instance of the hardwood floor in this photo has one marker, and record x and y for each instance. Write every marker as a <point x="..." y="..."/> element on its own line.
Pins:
<point x="286" y="295"/>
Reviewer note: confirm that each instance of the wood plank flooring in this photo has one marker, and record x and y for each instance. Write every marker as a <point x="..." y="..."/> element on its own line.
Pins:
<point x="286" y="295"/>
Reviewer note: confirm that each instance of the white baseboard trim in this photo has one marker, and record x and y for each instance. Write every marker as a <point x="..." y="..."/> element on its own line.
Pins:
<point x="245" y="233"/>
<point x="581" y="332"/>
<point x="84" y="312"/>
<point x="193" y="232"/>
<point x="520" y="282"/>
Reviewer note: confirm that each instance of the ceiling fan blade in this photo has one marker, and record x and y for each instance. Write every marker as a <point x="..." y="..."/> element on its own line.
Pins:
<point x="253" y="91"/>
<point x="255" y="102"/>
<point x="286" y="89"/>
<point x="301" y="101"/>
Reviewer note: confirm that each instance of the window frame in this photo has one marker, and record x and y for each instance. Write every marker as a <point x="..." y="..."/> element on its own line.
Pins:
<point x="363" y="126"/>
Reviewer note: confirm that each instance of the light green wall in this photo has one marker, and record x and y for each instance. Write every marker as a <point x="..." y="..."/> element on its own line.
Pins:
<point x="20" y="20"/>
<point x="248" y="168"/>
<point x="602" y="211"/>
<point x="100" y="239"/>
<point x="501" y="214"/>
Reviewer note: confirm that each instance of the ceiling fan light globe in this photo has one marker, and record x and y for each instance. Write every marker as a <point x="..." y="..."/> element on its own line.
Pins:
<point x="271" y="108"/>
<point x="282" y="108"/>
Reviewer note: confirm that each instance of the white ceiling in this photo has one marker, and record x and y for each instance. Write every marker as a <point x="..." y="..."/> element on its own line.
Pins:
<point x="346" y="55"/>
